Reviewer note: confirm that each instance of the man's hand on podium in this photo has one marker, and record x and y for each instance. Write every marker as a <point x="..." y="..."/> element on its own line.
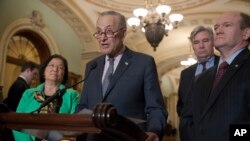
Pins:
<point x="152" y="136"/>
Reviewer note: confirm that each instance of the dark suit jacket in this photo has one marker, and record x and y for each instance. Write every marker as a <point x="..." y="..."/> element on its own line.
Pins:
<point x="134" y="90"/>
<point x="15" y="93"/>
<point x="186" y="81"/>
<point x="214" y="111"/>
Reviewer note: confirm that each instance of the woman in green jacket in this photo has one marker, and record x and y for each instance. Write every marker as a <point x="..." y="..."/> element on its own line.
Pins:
<point x="53" y="77"/>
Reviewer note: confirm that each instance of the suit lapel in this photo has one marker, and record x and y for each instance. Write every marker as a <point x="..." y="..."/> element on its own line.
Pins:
<point x="203" y="90"/>
<point x="216" y="60"/>
<point x="101" y="63"/>
<point x="121" y="68"/>
<point x="191" y="77"/>
<point x="233" y="68"/>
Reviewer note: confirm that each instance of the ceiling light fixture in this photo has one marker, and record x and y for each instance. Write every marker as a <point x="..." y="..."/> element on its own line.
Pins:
<point x="190" y="61"/>
<point x="154" y="21"/>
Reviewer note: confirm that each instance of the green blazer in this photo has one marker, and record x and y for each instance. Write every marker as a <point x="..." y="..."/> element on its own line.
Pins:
<point x="28" y="104"/>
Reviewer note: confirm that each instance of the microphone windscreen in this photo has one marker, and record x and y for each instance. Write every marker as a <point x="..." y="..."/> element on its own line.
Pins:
<point x="93" y="65"/>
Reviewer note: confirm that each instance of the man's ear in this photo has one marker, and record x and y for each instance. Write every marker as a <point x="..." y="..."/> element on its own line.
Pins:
<point x="124" y="32"/>
<point x="246" y="34"/>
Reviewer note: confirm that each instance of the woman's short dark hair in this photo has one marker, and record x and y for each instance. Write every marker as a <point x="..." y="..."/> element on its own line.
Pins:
<point x="45" y="64"/>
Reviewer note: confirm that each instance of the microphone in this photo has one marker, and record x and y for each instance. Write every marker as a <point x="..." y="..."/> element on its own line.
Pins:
<point x="60" y="93"/>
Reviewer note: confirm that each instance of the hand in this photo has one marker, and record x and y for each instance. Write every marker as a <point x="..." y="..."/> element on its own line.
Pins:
<point x="152" y="137"/>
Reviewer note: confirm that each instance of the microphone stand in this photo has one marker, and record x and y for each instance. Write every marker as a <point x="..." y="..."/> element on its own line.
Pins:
<point x="59" y="94"/>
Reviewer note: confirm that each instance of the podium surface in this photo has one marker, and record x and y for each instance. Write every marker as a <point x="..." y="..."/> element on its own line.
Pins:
<point x="103" y="119"/>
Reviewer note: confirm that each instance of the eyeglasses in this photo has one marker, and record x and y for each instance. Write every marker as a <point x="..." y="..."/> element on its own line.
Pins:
<point x="107" y="33"/>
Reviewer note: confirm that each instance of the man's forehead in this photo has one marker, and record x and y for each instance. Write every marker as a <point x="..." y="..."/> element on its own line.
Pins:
<point x="106" y="21"/>
<point x="229" y="17"/>
<point x="103" y="26"/>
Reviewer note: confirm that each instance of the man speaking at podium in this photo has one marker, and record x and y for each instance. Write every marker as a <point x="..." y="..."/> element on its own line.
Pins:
<point x="126" y="79"/>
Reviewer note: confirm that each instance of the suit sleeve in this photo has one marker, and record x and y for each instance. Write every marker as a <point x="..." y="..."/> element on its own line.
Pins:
<point x="155" y="108"/>
<point x="72" y="100"/>
<point x="20" y="136"/>
<point x="83" y="98"/>
<point x="180" y="103"/>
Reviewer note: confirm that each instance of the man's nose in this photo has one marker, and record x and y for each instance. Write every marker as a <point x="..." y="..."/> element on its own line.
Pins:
<point x="219" y="30"/>
<point x="103" y="36"/>
<point x="201" y="45"/>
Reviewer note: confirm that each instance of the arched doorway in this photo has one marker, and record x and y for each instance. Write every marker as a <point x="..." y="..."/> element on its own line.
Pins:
<point x="23" y="39"/>
<point x="23" y="46"/>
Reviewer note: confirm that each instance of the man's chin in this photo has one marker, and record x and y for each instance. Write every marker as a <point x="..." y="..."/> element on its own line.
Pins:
<point x="218" y="46"/>
<point x="105" y="50"/>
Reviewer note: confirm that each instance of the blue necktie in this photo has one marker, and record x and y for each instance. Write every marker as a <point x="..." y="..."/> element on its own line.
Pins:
<point x="108" y="76"/>
<point x="203" y="66"/>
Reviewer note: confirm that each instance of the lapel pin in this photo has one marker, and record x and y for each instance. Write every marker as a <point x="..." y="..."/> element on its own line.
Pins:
<point x="236" y="65"/>
<point x="126" y="63"/>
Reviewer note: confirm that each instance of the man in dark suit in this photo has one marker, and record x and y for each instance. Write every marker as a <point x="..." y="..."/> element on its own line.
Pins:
<point x="218" y="103"/>
<point x="29" y="72"/>
<point x="133" y="85"/>
<point x="202" y="43"/>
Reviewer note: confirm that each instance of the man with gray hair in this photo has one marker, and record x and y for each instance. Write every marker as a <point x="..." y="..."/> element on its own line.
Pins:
<point x="201" y="39"/>
<point x="125" y="78"/>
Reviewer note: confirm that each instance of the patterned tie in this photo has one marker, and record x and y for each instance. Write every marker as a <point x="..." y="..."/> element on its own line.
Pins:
<point x="203" y="66"/>
<point x="222" y="69"/>
<point x="108" y="76"/>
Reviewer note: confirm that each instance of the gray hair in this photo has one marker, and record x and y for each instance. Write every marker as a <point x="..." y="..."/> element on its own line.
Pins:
<point x="121" y="18"/>
<point x="198" y="29"/>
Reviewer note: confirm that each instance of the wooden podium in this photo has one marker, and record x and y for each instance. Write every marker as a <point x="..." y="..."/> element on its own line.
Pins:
<point x="103" y="119"/>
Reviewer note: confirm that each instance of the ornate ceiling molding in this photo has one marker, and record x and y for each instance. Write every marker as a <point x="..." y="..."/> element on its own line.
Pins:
<point x="130" y="5"/>
<point x="72" y="19"/>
